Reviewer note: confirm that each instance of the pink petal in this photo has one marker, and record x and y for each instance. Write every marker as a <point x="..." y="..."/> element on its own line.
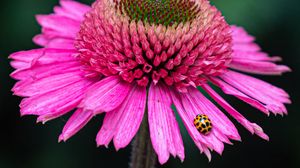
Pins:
<point x="254" y="56"/>
<point x="164" y="130"/>
<point x="40" y="71"/>
<point x="55" y="103"/>
<point x="57" y="42"/>
<point x="246" y="47"/>
<point x="74" y="10"/>
<point x="61" y="43"/>
<point x="123" y="123"/>
<point x="64" y="26"/>
<point x="133" y="113"/>
<point x="256" y="67"/>
<point x="43" y="62"/>
<point x="247" y="56"/>
<point x="60" y="29"/>
<point x="41" y="40"/>
<point x="44" y="56"/>
<point x="273" y="97"/>
<point x="52" y="34"/>
<point x="19" y="64"/>
<point x="75" y="123"/>
<point x="108" y="128"/>
<point x="240" y="35"/>
<point x="105" y="95"/>
<point x="32" y="87"/>
<point x="252" y="127"/>
<point x="195" y="102"/>
<point x="226" y="88"/>
<point x="201" y="142"/>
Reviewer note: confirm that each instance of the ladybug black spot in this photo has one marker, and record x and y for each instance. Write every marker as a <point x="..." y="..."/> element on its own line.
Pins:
<point x="203" y="124"/>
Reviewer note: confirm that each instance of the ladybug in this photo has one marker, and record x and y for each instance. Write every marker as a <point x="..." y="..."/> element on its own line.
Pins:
<point x="203" y="124"/>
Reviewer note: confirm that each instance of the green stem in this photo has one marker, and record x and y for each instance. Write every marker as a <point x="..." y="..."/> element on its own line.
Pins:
<point x="142" y="154"/>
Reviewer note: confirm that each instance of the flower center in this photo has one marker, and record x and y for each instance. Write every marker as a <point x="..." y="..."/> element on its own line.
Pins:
<point x="165" y="12"/>
<point x="177" y="42"/>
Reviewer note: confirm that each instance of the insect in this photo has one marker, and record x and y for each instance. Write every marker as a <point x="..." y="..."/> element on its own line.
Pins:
<point x="203" y="124"/>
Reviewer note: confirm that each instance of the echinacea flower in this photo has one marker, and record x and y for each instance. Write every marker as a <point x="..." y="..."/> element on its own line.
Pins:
<point x="129" y="58"/>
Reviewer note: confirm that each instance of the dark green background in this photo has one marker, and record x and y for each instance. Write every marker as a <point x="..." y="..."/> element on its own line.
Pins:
<point x="24" y="144"/>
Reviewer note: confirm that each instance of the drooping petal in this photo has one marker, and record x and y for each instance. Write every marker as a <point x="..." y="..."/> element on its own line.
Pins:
<point x="55" y="103"/>
<point x="32" y="87"/>
<point x="19" y="64"/>
<point x="44" y="56"/>
<point x="108" y="128"/>
<point x="75" y="123"/>
<point x="55" y="32"/>
<point x="195" y="102"/>
<point x="105" y="95"/>
<point x="248" y="57"/>
<point x="252" y="127"/>
<point x="164" y="130"/>
<point x="202" y="143"/>
<point x="226" y="88"/>
<point x="123" y="123"/>
<point x="56" y="42"/>
<point x="74" y="9"/>
<point x="39" y="63"/>
<point x="259" y="67"/>
<point x="132" y="117"/>
<point x="63" y="26"/>
<point x="26" y="56"/>
<point x="40" y="71"/>
<point x="273" y="97"/>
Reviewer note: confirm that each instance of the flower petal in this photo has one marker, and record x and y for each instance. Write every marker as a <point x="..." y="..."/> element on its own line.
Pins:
<point x="75" y="123"/>
<point x="55" y="42"/>
<point x="262" y="67"/>
<point x="44" y="56"/>
<point x="201" y="142"/>
<point x="105" y="95"/>
<point x="108" y="128"/>
<point x="164" y="130"/>
<point x="40" y="71"/>
<point x="60" y="29"/>
<point x="133" y="113"/>
<point x="19" y="64"/>
<point x="247" y="56"/>
<point x="195" y="103"/>
<point x="74" y="10"/>
<point x="273" y="97"/>
<point x="31" y="87"/>
<point x="63" y="26"/>
<point x="252" y="127"/>
<point x="55" y="103"/>
<point x="226" y="88"/>
<point x="199" y="103"/>
<point x="123" y="123"/>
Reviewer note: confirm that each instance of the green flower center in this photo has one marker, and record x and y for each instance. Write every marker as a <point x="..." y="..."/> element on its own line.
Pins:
<point x="165" y="12"/>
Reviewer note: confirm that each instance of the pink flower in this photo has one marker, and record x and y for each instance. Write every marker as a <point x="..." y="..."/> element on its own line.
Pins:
<point x="119" y="58"/>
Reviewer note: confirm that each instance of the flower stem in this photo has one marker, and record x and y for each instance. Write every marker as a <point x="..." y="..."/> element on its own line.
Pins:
<point x="142" y="154"/>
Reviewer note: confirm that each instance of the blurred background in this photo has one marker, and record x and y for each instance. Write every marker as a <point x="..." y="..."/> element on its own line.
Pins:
<point x="25" y="144"/>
